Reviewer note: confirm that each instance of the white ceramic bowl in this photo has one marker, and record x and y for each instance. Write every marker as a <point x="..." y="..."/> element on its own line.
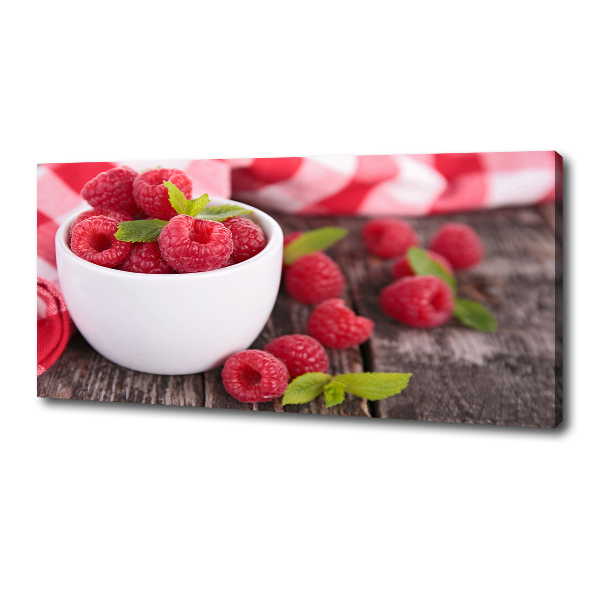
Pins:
<point x="172" y="324"/>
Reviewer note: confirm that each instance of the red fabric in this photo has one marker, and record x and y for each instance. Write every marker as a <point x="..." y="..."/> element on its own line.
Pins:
<point x="76" y="175"/>
<point x="54" y="329"/>
<point x="271" y="170"/>
<point x="402" y="184"/>
<point x="370" y="171"/>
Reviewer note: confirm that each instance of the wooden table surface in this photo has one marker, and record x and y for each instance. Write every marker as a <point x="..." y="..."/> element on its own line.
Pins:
<point x="511" y="377"/>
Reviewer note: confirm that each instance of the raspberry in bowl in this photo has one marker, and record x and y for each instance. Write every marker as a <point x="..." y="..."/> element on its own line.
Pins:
<point x="172" y="324"/>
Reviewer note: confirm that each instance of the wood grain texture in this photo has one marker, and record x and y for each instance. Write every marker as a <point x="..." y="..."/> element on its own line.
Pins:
<point x="83" y="374"/>
<point x="461" y="375"/>
<point x="512" y="377"/>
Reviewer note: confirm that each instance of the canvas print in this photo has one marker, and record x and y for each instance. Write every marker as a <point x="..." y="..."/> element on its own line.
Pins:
<point x="413" y="286"/>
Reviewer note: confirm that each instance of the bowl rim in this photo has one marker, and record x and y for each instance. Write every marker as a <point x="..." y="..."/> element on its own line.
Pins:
<point x="274" y="242"/>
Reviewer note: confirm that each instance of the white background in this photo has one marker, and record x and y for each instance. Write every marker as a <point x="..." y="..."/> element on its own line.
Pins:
<point x="121" y="501"/>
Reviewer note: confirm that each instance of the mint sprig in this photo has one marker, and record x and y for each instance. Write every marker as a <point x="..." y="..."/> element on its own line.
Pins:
<point x="312" y="241"/>
<point x="195" y="207"/>
<point x="474" y="315"/>
<point x="372" y="386"/>
<point x="305" y="388"/>
<point x="422" y="264"/>
<point x="176" y="197"/>
<point x="198" y="207"/>
<point x="140" y="231"/>
<point x="149" y="230"/>
<point x="222" y="213"/>
<point x="334" y="393"/>
<point x="181" y="204"/>
<point x="470" y="313"/>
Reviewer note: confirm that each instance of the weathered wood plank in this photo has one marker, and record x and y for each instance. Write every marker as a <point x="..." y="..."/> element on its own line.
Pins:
<point x="559" y="317"/>
<point x="83" y="374"/>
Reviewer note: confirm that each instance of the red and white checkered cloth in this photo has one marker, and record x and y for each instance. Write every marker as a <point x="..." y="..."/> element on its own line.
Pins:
<point x="54" y="328"/>
<point x="403" y="185"/>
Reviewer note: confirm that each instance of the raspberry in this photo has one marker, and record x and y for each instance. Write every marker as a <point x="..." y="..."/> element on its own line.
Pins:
<point x="336" y="326"/>
<point x="313" y="278"/>
<point x="254" y="376"/>
<point x="153" y="197"/>
<point x="402" y="268"/>
<point x="420" y="301"/>
<point x="112" y="189"/>
<point x="94" y="240"/>
<point x="387" y="238"/>
<point x="118" y="215"/>
<point x="248" y="239"/>
<point x="191" y="245"/>
<point x="459" y="243"/>
<point x="300" y="354"/>
<point x="146" y="258"/>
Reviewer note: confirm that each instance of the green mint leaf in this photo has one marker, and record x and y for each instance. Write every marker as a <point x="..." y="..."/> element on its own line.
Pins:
<point x="334" y="393"/>
<point x="422" y="264"/>
<point x="305" y="388"/>
<point x="374" y="386"/>
<point x="140" y="231"/>
<point x="223" y="212"/>
<point x="312" y="241"/>
<point x="474" y="315"/>
<point x="176" y="197"/>
<point x="194" y="207"/>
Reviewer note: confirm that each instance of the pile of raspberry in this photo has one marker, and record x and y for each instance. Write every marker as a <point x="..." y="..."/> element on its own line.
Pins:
<point x="185" y="244"/>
